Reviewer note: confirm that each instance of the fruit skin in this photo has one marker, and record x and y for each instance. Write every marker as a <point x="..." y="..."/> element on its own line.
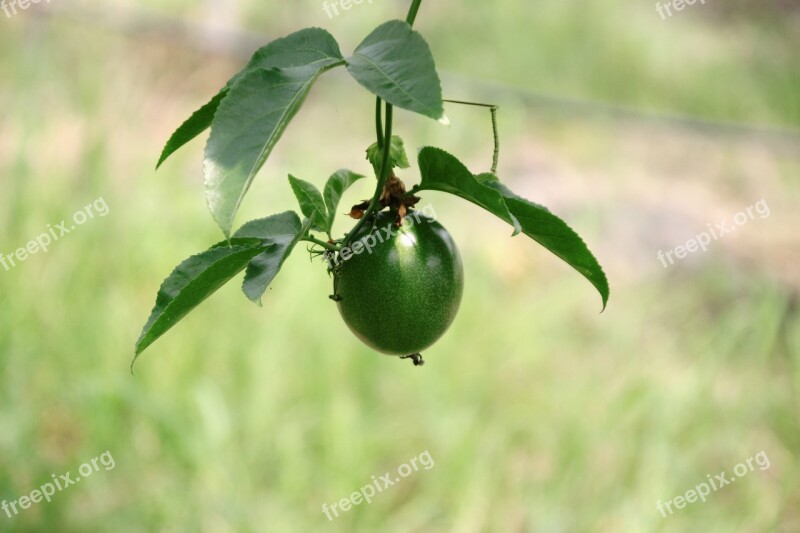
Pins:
<point x="401" y="296"/>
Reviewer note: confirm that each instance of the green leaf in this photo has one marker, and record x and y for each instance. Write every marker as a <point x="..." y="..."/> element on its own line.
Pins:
<point x="248" y="124"/>
<point x="194" y="280"/>
<point x="550" y="231"/>
<point x="443" y="172"/>
<point x="194" y="126"/>
<point x="395" y="63"/>
<point x="337" y="184"/>
<point x="397" y="155"/>
<point x="311" y="203"/>
<point x="275" y="227"/>
<point x="284" y="230"/>
<point x="305" y="47"/>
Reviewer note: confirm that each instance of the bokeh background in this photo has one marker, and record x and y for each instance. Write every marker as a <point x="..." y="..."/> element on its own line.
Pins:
<point x="541" y="414"/>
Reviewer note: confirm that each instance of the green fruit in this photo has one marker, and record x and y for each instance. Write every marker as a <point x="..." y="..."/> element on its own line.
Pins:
<point x="401" y="292"/>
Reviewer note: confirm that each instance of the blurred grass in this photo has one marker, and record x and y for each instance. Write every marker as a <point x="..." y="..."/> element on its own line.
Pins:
<point x="540" y="414"/>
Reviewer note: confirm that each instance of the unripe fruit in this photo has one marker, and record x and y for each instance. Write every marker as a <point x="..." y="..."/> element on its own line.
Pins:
<point x="401" y="292"/>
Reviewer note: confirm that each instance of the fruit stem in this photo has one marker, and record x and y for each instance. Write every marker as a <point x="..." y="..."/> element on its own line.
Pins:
<point x="379" y="121"/>
<point x="326" y="245"/>
<point x="386" y="168"/>
<point x="382" y="176"/>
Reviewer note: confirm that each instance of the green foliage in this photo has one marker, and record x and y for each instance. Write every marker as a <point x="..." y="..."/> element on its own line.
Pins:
<point x="337" y="184"/>
<point x="397" y="155"/>
<point x="306" y="47"/>
<point x="395" y="63"/>
<point x="194" y="126"/>
<point x="443" y="172"/>
<point x="194" y="280"/>
<point x="248" y="117"/>
<point x="260" y="245"/>
<point x="311" y="203"/>
<point x="294" y="422"/>
<point x="254" y="115"/>
<point x="283" y="230"/>
<point x="246" y="127"/>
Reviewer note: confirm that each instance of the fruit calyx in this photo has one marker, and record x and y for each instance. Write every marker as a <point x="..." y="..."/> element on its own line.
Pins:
<point x="416" y="358"/>
<point x="394" y="197"/>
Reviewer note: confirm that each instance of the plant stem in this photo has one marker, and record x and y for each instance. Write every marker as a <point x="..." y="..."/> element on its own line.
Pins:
<point x="463" y="102"/>
<point x="326" y="245"/>
<point x="382" y="177"/>
<point x="379" y="122"/>
<point x="496" y="155"/>
<point x="386" y="168"/>
<point x="493" y="109"/>
<point x="412" y="12"/>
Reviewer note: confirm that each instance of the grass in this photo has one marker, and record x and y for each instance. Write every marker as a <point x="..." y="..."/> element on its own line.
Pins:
<point x="540" y="414"/>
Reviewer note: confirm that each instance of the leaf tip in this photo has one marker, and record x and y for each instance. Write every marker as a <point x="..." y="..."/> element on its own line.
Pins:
<point x="605" y="302"/>
<point x="444" y="121"/>
<point x="255" y="299"/>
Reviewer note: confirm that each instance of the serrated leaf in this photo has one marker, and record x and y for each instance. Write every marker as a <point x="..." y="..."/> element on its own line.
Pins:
<point x="441" y="171"/>
<point x="274" y="227"/>
<point x="284" y="230"/>
<point x="248" y="124"/>
<point x="395" y="63"/>
<point x="311" y="203"/>
<point x="194" y="280"/>
<point x="397" y="155"/>
<point x="302" y="48"/>
<point x="194" y="126"/>
<point x="337" y="184"/>
<point x="550" y="231"/>
<point x="307" y="47"/>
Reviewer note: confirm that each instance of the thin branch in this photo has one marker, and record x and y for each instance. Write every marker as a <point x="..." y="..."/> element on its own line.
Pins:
<point x="326" y="245"/>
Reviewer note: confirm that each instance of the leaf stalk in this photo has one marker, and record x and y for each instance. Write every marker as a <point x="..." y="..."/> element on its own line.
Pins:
<point x="385" y="143"/>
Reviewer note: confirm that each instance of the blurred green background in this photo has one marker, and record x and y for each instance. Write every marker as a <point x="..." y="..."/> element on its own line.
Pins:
<point x="540" y="413"/>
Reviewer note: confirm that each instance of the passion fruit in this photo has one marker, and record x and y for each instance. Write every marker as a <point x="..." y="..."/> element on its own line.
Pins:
<point x="398" y="289"/>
